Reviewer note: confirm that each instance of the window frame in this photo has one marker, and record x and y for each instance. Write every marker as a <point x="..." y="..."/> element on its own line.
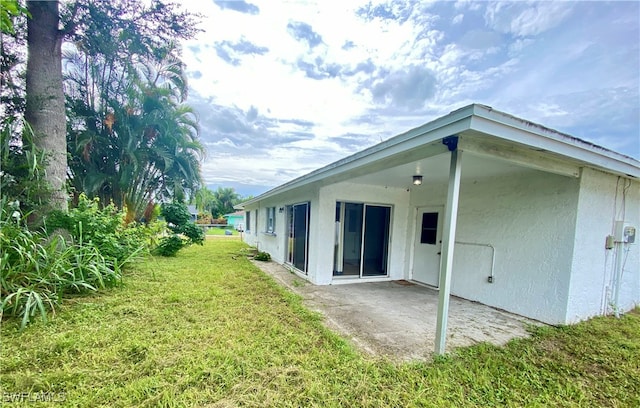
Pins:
<point x="270" y="226"/>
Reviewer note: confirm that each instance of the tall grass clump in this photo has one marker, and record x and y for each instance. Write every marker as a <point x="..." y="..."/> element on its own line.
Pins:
<point x="36" y="271"/>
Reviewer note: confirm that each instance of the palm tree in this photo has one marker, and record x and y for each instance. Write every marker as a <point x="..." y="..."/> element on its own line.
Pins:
<point x="205" y="200"/>
<point x="226" y="198"/>
<point x="136" y="142"/>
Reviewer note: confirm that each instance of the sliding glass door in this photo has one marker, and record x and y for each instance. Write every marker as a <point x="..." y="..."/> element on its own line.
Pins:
<point x="298" y="245"/>
<point x="362" y="239"/>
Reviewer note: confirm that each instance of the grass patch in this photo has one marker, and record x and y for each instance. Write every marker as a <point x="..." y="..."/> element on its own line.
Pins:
<point x="206" y="328"/>
<point x="221" y="231"/>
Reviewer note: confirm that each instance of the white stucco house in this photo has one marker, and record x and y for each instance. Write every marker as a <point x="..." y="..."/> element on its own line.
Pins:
<point x="477" y="203"/>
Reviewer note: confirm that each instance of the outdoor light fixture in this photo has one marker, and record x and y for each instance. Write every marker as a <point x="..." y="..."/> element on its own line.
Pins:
<point x="417" y="180"/>
<point x="281" y="209"/>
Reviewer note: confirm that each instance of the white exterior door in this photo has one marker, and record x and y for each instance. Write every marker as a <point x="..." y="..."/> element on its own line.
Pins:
<point x="428" y="243"/>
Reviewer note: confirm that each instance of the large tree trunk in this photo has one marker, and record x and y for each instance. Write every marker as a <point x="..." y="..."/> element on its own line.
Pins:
<point x="45" y="110"/>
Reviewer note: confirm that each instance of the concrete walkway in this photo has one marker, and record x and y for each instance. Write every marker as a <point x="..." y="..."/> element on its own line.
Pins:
<point x="398" y="319"/>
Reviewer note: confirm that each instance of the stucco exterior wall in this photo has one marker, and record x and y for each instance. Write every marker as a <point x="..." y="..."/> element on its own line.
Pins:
<point x="322" y="226"/>
<point x="593" y="265"/>
<point x="398" y="198"/>
<point x="529" y="218"/>
<point x="276" y="244"/>
<point x="250" y="235"/>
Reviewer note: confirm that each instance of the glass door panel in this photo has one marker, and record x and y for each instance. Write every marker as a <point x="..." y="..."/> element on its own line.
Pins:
<point x="301" y="228"/>
<point x="376" y="240"/>
<point x="362" y="239"/>
<point x="298" y="245"/>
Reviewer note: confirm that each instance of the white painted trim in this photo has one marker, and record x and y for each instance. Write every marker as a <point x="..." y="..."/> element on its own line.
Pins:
<point x="448" y="244"/>
<point x="346" y="281"/>
<point x="296" y="271"/>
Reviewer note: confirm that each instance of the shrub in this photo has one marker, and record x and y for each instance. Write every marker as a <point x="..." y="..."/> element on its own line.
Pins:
<point x="176" y="214"/>
<point x="219" y="221"/>
<point x="262" y="256"/>
<point x="193" y="233"/>
<point x="103" y="228"/>
<point x="183" y="231"/>
<point x="169" y="246"/>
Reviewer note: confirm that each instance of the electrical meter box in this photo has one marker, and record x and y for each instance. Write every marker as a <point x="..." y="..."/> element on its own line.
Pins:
<point x="624" y="232"/>
<point x="629" y="234"/>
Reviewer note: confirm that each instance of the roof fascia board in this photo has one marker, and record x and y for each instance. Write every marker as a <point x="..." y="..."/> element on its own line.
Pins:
<point x="515" y="130"/>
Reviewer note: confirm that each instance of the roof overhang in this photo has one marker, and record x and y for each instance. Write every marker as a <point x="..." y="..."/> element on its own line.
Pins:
<point x="483" y="131"/>
<point x="557" y="144"/>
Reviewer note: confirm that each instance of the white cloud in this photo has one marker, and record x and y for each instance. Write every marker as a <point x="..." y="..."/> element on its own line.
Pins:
<point x="275" y="105"/>
<point x="526" y="18"/>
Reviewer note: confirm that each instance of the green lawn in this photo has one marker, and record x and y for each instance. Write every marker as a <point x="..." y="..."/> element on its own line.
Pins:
<point x="208" y="329"/>
<point x="220" y="231"/>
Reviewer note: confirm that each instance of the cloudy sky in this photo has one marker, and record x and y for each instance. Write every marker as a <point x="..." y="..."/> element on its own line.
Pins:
<point x="284" y="87"/>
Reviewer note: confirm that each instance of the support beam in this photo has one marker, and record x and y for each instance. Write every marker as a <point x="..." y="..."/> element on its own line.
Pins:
<point x="448" y="242"/>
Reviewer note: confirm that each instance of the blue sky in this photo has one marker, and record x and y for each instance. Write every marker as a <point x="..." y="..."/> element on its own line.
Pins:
<point x="285" y="87"/>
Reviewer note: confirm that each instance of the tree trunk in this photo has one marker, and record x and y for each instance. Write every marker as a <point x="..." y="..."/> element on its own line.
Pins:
<point x="45" y="110"/>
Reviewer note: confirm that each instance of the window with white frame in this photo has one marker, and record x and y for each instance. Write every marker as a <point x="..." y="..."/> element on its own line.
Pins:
<point x="271" y="220"/>
<point x="248" y="221"/>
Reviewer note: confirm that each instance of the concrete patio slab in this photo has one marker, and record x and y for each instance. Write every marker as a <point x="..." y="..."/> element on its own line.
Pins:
<point x="398" y="319"/>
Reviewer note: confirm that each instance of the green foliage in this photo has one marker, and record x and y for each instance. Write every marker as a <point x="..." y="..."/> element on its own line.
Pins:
<point x="218" y="202"/>
<point x="176" y="214"/>
<point x="184" y="232"/>
<point x="12" y="65"/>
<point x="103" y="228"/>
<point x="169" y="246"/>
<point x="262" y="256"/>
<point x="131" y="139"/>
<point x="225" y="199"/>
<point x="37" y="270"/>
<point x="193" y="232"/>
<point x="205" y="201"/>
<point x="9" y="10"/>
<point x="22" y="172"/>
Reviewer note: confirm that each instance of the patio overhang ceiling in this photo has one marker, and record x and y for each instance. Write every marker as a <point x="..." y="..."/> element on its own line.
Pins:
<point x="485" y="156"/>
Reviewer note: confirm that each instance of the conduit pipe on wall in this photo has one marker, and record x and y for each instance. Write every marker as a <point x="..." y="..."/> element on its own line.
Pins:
<point x="493" y="254"/>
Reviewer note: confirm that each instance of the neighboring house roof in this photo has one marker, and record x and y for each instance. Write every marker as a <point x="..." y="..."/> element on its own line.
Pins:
<point x="235" y="214"/>
<point x="192" y="209"/>
<point x="471" y="122"/>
